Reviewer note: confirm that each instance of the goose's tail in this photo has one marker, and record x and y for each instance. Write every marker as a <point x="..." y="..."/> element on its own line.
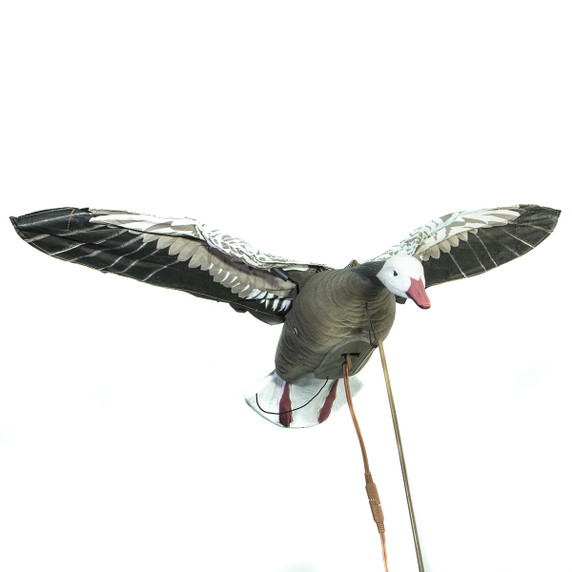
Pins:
<point x="304" y="403"/>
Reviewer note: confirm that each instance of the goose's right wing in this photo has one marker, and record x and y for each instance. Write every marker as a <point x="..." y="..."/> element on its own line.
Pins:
<point x="468" y="243"/>
<point x="182" y="254"/>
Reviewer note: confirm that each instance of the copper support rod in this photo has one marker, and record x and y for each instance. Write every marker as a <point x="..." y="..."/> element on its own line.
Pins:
<point x="401" y="459"/>
<point x="371" y="489"/>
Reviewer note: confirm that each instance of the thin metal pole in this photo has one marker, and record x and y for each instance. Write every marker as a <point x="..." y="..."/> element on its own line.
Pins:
<point x="401" y="459"/>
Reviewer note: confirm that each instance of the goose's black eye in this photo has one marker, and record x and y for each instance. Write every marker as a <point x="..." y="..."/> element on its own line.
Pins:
<point x="395" y="272"/>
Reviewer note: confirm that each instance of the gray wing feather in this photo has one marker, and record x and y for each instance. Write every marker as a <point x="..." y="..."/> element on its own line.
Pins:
<point x="181" y="254"/>
<point x="467" y="243"/>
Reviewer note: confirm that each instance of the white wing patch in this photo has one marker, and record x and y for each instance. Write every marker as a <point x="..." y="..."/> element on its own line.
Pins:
<point x="443" y="233"/>
<point x="190" y="228"/>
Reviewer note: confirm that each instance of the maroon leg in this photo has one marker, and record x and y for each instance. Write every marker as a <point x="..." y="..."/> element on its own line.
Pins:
<point x="326" y="409"/>
<point x="285" y="407"/>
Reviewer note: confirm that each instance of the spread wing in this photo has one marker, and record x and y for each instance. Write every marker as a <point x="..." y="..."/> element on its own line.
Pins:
<point x="182" y="254"/>
<point x="463" y="244"/>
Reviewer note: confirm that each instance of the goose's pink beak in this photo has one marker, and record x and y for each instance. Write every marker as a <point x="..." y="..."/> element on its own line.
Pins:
<point x="417" y="293"/>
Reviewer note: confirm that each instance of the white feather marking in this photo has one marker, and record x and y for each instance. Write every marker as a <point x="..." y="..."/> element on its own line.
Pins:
<point x="486" y="249"/>
<point x="193" y="230"/>
<point x="66" y="249"/>
<point x="188" y="250"/>
<point x="149" y="237"/>
<point x="518" y="238"/>
<point x="123" y="256"/>
<point x="83" y="256"/>
<point x="165" y="241"/>
<point x="253" y="294"/>
<point x="477" y="257"/>
<point x="177" y="246"/>
<point x="445" y="246"/>
<point x="195" y="261"/>
<point x="454" y="240"/>
<point x="218" y="274"/>
<point x="457" y="265"/>
<point x="434" y="252"/>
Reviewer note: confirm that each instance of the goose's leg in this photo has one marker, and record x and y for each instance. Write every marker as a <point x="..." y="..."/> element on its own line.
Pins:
<point x="326" y="408"/>
<point x="285" y="407"/>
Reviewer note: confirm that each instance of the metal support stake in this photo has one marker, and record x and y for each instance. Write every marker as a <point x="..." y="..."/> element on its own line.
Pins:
<point x="401" y="458"/>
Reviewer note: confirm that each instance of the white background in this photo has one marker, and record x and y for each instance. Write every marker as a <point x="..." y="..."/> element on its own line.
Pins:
<point x="322" y="131"/>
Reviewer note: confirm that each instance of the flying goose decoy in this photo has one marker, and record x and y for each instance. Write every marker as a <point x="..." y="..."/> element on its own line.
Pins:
<point x="326" y="313"/>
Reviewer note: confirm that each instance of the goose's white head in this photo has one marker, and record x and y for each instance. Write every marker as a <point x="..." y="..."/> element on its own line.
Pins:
<point x="403" y="276"/>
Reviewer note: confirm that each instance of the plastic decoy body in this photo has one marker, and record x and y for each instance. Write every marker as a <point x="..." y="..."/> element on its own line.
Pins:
<point x="326" y="313"/>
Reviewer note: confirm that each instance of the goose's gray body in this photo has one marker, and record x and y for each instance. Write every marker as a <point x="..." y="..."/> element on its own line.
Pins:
<point x="331" y="308"/>
<point x="325" y="313"/>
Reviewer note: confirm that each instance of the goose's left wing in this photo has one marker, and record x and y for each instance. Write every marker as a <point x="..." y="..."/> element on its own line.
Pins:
<point x="463" y="244"/>
<point x="182" y="254"/>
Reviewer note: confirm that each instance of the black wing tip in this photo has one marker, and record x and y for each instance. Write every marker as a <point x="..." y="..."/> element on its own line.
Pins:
<point x="539" y="208"/>
<point x="50" y="221"/>
<point x="14" y="221"/>
<point x="547" y="217"/>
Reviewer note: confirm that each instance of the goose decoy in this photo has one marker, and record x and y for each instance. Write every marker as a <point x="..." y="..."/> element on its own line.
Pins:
<point x="326" y="313"/>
